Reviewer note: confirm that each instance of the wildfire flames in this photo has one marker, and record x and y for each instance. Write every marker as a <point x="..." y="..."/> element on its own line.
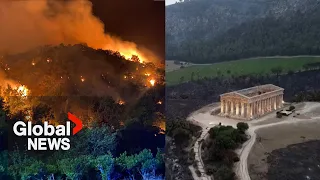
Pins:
<point x="152" y="82"/>
<point x="120" y="102"/>
<point x="23" y="90"/>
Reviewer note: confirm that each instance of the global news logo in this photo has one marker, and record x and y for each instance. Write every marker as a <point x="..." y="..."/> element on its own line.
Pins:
<point x="46" y="136"/>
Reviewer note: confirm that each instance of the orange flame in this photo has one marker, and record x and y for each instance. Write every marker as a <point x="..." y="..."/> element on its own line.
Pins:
<point x="152" y="82"/>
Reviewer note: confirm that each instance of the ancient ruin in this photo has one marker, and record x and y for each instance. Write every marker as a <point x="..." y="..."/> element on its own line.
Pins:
<point x="252" y="102"/>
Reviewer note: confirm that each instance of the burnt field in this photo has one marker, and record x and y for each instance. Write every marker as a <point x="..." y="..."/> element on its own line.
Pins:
<point x="298" y="161"/>
<point x="187" y="97"/>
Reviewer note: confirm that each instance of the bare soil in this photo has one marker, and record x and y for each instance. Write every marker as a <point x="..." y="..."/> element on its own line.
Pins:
<point x="298" y="161"/>
<point x="277" y="137"/>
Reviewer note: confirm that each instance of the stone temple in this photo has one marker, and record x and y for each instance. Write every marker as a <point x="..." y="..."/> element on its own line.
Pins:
<point x="252" y="102"/>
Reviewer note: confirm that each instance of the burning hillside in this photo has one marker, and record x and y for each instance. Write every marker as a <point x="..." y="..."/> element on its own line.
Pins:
<point x="63" y="50"/>
<point x="79" y="71"/>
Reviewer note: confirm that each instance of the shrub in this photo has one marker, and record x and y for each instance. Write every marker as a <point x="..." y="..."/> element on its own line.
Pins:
<point x="224" y="173"/>
<point x="242" y="127"/>
<point x="181" y="136"/>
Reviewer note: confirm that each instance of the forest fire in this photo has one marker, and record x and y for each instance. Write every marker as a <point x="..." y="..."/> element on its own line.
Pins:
<point x="22" y="90"/>
<point x="120" y="102"/>
<point x="152" y="82"/>
<point x="82" y="79"/>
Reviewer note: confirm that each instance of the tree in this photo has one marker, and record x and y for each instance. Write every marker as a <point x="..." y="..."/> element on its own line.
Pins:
<point x="75" y="167"/>
<point x="181" y="136"/>
<point x="224" y="173"/>
<point x="181" y="79"/>
<point x="277" y="70"/>
<point x="242" y="127"/>
<point x="192" y="76"/>
<point x="105" y="165"/>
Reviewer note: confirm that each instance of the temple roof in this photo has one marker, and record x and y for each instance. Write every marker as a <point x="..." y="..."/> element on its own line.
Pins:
<point x="255" y="91"/>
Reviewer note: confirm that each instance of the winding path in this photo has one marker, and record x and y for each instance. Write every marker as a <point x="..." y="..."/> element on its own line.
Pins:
<point x="206" y="121"/>
<point x="197" y="148"/>
<point x="242" y="167"/>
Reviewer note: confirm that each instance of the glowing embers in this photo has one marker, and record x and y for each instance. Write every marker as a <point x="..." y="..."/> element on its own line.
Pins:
<point x="152" y="82"/>
<point x="22" y="90"/>
<point x="121" y="102"/>
<point x="82" y="79"/>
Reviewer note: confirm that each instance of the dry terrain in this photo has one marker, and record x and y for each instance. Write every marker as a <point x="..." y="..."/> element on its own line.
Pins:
<point x="266" y="134"/>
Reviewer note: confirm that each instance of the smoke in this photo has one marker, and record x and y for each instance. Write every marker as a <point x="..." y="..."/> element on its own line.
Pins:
<point x="5" y="81"/>
<point x="28" y="24"/>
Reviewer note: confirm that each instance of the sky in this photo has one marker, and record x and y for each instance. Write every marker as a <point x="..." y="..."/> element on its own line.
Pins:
<point x="169" y="2"/>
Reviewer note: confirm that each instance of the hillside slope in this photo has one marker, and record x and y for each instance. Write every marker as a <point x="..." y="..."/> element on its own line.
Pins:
<point x="211" y="31"/>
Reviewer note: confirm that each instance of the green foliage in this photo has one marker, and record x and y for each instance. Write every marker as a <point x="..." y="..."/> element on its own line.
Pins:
<point x="224" y="173"/>
<point x="105" y="164"/>
<point x="219" y="148"/>
<point x="173" y="126"/>
<point x="144" y="163"/>
<point x="181" y="136"/>
<point x="3" y="161"/>
<point x="233" y="30"/>
<point x="21" y="166"/>
<point x="261" y="66"/>
<point x="242" y="127"/>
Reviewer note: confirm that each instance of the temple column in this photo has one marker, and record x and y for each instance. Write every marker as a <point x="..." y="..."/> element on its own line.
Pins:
<point x="248" y="110"/>
<point x="231" y="112"/>
<point x="227" y="107"/>
<point x="275" y="103"/>
<point x="222" y="107"/>
<point x="262" y="106"/>
<point x="257" y="107"/>
<point x="237" y="108"/>
<point x="269" y="104"/>
<point x="280" y="101"/>
<point x="259" y="110"/>
<point x="252" y="109"/>
<point x="242" y="109"/>
<point x="266" y="105"/>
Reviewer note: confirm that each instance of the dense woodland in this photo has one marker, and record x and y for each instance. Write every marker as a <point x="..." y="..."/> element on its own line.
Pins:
<point x="123" y="119"/>
<point x="236" y="32"/>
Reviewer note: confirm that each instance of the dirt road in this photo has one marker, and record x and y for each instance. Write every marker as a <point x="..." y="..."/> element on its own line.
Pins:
<point x="241" y="168"/>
